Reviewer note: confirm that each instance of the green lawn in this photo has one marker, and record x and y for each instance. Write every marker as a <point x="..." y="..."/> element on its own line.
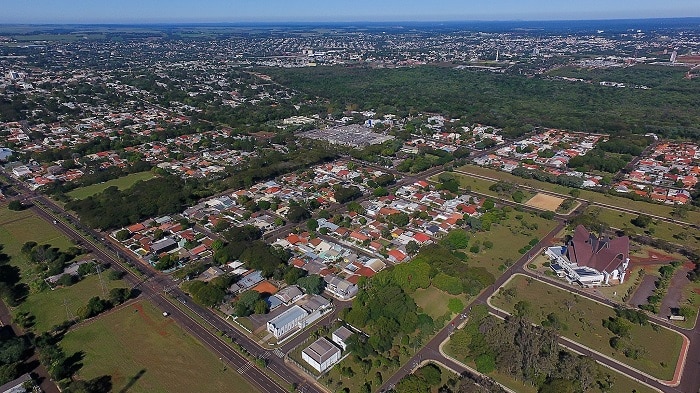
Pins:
<point x="434" y="301"/>
<point x="660" y="229"/>
<point x="660" y="347"/>
<point x="145" y="352"/>
<point x="646" y="207"/>
<point x="49" y="306"/>
<point x="508" y="237"/>
<point x="121" y="183"/>
<point x="17" y="228"/>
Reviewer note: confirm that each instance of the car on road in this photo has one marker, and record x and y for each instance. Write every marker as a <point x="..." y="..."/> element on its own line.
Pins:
<point x="165" y="313"/>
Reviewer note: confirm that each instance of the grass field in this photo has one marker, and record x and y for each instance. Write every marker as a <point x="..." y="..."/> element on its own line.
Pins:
<point x="661" y="229"/>
<point x="121" y="183"/>
<point x="646" y="207"/>
<point x="145" y="352"/>
<point x="49" y="306"/>
<point x="660" y="347"/>
<point x="19" y="227"/>
<point x="434" y="301"/>
<point x="508" y="237"/>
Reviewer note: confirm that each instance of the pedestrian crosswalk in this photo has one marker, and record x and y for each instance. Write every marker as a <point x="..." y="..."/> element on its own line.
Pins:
<point x="279" y="353"/>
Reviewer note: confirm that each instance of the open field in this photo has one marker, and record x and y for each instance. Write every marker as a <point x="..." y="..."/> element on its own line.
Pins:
<point x="646" y="207"/>
<point x="659" y="347"/>
<point x="52" y="307"/>
<point x="145" y="352"/>
<point x="545" y="202"/>
<point x="508" y="238"/>
<point x="475" y="184"/>
<point x="434" y="301"/>
<point x="121" y="183"/>
<point x="19" y="227"/>
<point x="660" y="229"/>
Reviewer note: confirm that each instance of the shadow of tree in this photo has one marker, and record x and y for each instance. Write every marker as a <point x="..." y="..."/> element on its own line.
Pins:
<point x="133" y="380"/>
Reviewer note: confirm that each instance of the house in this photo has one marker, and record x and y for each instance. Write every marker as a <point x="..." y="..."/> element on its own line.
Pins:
<point x="316" y="303"/>
<point x="211" y="273"/>
<point x="591" y="260"/>
<point x="341" y="336"/>
<point x="321" y="354"/>
<point x="16" y="386"/>
<point x="340" y="287"/>
<point x="289" y="294"/>
<point x="285" y="322"/>
<point x="396" y="256"/>
<point x="163" y="245"/>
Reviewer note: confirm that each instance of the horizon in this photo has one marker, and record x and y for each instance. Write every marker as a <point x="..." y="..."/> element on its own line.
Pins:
<point x="362" y="11"/>
<point x="321" y="22"/>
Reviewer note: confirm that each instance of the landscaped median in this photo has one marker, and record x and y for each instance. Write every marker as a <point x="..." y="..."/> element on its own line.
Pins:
<point x="627" y="338"/>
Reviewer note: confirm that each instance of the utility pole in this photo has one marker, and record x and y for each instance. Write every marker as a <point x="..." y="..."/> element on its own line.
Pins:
<point x="102" y="283"/>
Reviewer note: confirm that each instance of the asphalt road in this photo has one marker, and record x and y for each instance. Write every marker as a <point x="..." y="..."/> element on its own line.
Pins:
<point x="153" y="287"/>
<point x="690" y="381"/>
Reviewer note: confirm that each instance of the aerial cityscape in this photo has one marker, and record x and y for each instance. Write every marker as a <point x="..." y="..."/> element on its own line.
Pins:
<point x="382" y="197"/>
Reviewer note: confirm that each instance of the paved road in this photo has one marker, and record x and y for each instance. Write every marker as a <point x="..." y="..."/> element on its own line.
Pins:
<point x="39" y="372"/>
<point x="153" y="287"/>
<point x="431" y="351"/>
<point x="690" y="382"/>
<point x="582" y="200"/>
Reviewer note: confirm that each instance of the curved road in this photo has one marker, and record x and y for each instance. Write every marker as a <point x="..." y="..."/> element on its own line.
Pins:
<point x="690" y="379"/>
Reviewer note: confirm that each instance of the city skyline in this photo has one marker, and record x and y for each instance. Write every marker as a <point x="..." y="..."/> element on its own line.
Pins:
<point x="219" y="11"/>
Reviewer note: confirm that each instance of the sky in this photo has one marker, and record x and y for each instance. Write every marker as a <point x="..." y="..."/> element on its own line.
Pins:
<point x="246" y="11"/>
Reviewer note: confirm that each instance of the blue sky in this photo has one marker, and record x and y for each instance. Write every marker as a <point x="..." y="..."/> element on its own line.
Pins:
<point x="183" y="11"/>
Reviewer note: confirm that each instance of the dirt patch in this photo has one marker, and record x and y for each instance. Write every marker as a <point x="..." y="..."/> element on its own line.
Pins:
<point x="651" y="257"/>
<point x="160" y="328"/>
<point x="545" y="202"/>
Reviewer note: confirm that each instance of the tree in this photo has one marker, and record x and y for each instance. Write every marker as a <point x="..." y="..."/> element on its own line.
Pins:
<point x="522" y="308"/>
<point x="122" y="235"/>
<point x="312" y="224"/>
<point x="12" y="350"/>
<point x="297" y="214"/>
<point x="246" y="303"/>
<point x="312" y="284"/>
<point x="15" y="205"/>
<point x="119" y="295"/>
<point x="641" y="221"/>
<point x="293" y="275"/>
<point x="518" y="196"/>
<point x="260" y="307"/>
<point x="456" y="239"/>
<point x="412" y="247"/>
<point x="95" y="306"/>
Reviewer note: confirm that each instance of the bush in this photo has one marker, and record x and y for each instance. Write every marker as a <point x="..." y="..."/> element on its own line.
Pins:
<point x="485" y="363"/>
<point x="449" y="284"/>
<point x="15" y="205"/>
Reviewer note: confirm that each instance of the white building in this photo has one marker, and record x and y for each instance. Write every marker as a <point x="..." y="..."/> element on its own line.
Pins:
<point x="287" y="321"/>
<point x="341" y="336"/>
<point x="321" y="355"/>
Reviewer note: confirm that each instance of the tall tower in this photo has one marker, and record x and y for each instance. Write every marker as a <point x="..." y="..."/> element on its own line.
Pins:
<point x="496" y="54"/>
<point x="674" y="54"/>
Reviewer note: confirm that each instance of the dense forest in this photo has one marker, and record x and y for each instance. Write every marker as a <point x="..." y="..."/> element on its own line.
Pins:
<point x="670" y="108"/>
